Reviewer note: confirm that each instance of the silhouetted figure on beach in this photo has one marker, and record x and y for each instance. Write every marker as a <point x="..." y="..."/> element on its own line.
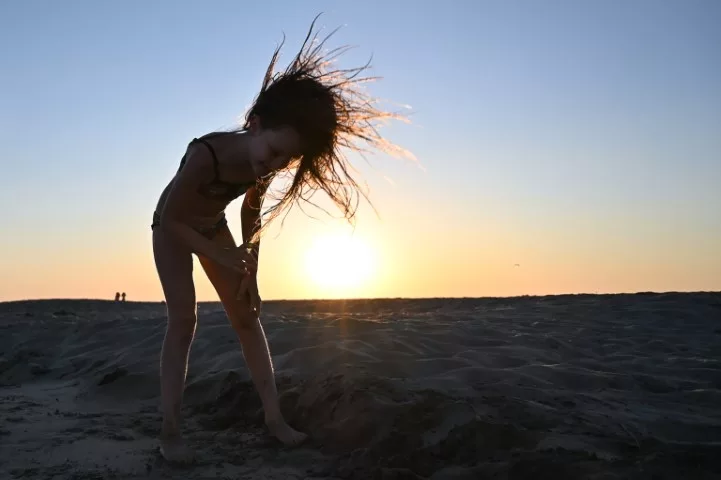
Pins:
<point x="117" y="296"/>
<point x="123" y="296"/>
<point x="299" y="123"/>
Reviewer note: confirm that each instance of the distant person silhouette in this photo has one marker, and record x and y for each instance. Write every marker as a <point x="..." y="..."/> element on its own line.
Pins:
<point x="299" y="124"/>
<point x="117" y="296"/>
<point x="123" y="296"/>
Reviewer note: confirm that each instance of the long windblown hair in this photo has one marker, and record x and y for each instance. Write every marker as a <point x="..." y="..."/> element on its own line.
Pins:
<point x="331" y="113"/>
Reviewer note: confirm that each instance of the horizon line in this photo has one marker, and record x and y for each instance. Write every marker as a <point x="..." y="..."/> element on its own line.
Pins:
<point x="361" y="299"/>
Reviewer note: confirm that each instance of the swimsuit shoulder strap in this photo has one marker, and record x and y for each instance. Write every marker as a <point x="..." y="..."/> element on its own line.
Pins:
<point x="212" y="152"/>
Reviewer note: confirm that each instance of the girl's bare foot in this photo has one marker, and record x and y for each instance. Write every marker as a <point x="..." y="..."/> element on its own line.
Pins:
<point x="175" y="450"/>
<point x="283" y="432"/>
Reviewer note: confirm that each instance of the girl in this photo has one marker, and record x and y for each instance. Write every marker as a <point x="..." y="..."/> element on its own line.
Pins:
<point x="298" y="122"/>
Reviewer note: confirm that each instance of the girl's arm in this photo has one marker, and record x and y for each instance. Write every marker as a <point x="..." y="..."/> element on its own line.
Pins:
<point x="250" y="221"/>
<point x="250" y="213"/>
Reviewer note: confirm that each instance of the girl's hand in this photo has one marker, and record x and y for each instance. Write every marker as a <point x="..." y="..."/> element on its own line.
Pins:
<point x="239" y="259"/>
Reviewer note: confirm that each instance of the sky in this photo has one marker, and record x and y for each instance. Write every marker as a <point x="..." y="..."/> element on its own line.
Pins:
<point x="562" y="146"/>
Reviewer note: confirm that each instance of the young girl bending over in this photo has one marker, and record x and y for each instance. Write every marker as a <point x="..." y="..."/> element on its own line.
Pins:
<point x="299" y="122"/>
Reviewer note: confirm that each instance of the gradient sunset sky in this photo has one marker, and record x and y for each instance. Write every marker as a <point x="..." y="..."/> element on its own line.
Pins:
<point x="562" y="146"/>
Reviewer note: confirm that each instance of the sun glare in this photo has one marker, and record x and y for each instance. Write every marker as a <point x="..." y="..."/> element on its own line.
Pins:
<point x="340" y="264"/>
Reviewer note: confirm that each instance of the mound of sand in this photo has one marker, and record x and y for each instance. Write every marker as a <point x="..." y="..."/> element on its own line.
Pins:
<point x="566" y="387"/>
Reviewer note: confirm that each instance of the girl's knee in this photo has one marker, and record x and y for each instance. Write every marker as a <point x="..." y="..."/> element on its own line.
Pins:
<point x="245" y="321"/>
<point x="182" y="327"/>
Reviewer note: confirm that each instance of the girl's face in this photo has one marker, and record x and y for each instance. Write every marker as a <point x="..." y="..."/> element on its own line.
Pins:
<point x="273" y="149"/>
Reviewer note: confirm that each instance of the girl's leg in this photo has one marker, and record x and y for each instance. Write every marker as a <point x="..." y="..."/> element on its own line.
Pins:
<point x="174" y="264"/>
<point x="252" y="339"/>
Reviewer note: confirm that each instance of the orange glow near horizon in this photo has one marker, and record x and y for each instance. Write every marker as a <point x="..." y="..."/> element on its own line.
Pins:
<point x="396" y="256"/>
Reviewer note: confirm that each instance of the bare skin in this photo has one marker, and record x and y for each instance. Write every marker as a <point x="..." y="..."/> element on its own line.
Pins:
<point x="225" y="265"/>
<point x="247" y="326"/>
<point x="174" y="264"/>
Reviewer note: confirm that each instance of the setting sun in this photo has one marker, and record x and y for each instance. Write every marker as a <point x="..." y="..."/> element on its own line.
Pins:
<point x="340" y="264"/>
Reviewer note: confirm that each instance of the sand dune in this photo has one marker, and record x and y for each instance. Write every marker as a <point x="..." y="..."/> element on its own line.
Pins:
<point x="565" y="387"/>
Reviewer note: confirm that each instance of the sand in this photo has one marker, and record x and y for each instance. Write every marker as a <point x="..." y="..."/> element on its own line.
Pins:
<point x="565" y="387"/>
